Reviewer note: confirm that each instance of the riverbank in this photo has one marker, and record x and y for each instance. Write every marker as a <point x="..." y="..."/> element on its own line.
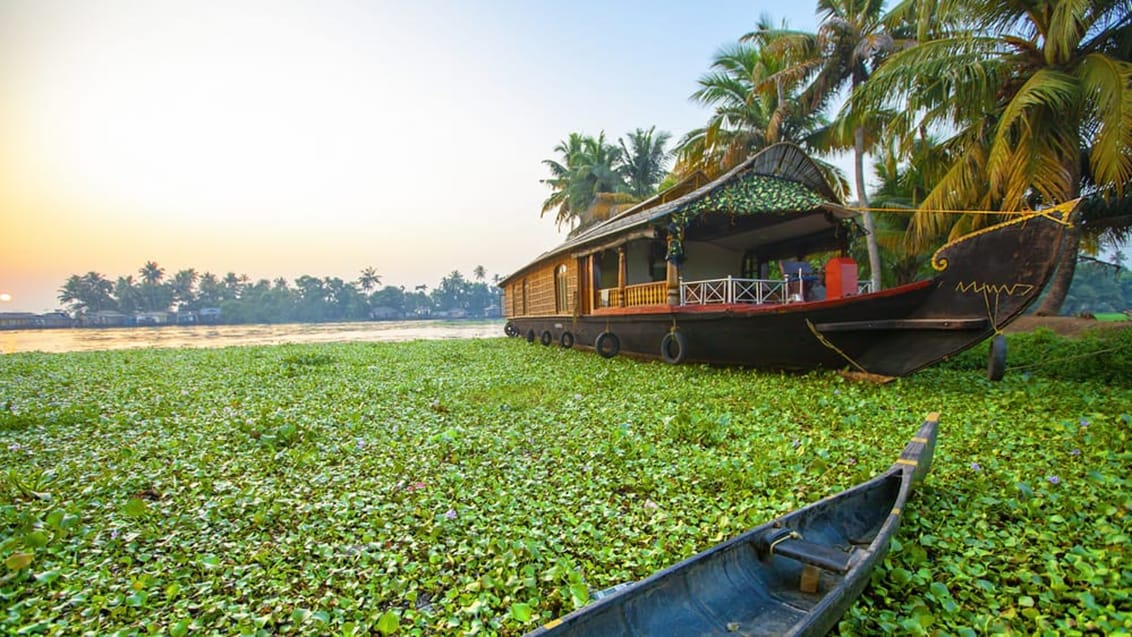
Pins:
<point x="449" y="486"/>
<point x="1063" y="325"/>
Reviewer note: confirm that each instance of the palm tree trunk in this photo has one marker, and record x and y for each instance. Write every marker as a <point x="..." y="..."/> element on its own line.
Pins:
<point x="1066" y="267"/>
<point x="863" y="202"/>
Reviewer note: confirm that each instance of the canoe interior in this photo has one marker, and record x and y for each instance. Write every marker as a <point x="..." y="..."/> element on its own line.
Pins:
<point x="739" y="588"/>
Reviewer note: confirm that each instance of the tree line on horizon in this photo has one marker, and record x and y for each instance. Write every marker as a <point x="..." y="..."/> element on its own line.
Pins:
<point x="308" y="299"/>
<point x="962" y="105"/>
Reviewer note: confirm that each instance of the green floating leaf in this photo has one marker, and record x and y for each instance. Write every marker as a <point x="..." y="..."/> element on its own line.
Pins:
<point x="389" y="623"/>
<point x="579" y="594"/>
<point x="300" y="615"/>
<point x="21" y="560"/>
<point x="136" y="508"/>
<point x="35" y="539"/>
<point x="521" y="612"/>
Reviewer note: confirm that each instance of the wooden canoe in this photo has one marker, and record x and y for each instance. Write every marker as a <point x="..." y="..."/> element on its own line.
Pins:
<point x="796" y="575"/>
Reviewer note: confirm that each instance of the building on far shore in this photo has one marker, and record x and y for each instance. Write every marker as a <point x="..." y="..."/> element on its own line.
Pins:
<point x="29" y="320"/>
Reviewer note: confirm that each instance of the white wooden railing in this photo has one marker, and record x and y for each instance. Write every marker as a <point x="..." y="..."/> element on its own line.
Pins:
<point x="754" y="291"/>
<point x="732" y="290"/>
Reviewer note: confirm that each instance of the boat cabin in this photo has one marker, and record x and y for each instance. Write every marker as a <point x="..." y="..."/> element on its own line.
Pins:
<point x="770" y="231"/>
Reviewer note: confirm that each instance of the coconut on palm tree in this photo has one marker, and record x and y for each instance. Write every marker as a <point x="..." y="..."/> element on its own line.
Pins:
<point x="1021" y="89"/>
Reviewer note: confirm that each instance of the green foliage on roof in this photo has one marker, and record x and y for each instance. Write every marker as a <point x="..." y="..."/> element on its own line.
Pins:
<point x="757" y="194"/>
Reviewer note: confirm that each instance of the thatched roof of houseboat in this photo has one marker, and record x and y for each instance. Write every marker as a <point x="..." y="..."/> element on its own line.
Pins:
<point x="781" y="180"/>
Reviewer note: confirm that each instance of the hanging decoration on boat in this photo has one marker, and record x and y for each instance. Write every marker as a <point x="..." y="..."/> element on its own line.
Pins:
<point x="752" y="194"/>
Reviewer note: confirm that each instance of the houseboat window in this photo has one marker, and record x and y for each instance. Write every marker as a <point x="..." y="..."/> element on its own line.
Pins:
<point x="561" y="299"/>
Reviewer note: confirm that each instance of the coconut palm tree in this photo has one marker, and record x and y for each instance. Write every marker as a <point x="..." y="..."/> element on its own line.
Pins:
<point x="643" y="161"/>
<point x="233" y="285"/>
<point x="87" y="293"/>
<point x="184" y="288"/>
<point x="479" y="272"/>
<point x="588" y="167"/>
<point x="128" y="294"/>
<point x="852" y="40"/>
<point x="369" y="279"/>
<point x="151" y="273"/>
<point x="1023" y="87"/>
<point x="741" y="121"/>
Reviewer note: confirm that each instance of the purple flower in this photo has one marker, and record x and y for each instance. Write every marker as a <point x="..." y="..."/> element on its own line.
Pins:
<point x="1053" y="479"/>
<point x="1075" y="452"/>
<point x="975" y="467"/>
<point x="1084" y="422"/>
<point x="836" y="392"/>
<point x="451" y="514"/>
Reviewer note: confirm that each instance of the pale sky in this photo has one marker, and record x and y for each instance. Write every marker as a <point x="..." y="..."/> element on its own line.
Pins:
<point x="282" y="138"/>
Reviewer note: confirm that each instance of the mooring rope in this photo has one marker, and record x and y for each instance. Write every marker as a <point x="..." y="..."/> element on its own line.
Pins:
<point x="1065" y="358"/>
<point x="824" y="341"/>
<point x="1062" y="208"/>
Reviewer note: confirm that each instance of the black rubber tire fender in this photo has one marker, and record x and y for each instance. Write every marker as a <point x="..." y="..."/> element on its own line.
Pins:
<point x="996" y="359"/>
<point x="531" y="335"/>
<point x="607" y="344"/>
<point x="674" y="348"/>
<point x="566" y="340"/>
<point x="546" y="338"/>
<point x="510" y="330"/>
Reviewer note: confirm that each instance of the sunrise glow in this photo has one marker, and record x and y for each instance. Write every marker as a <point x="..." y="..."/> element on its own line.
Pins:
<point x="280" y="139"/>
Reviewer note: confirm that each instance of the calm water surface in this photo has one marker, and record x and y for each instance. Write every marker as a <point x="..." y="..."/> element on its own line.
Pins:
<point x="91" y="339"/>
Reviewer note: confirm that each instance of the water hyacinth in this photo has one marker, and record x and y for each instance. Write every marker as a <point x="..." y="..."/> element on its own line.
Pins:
<point x="138" y="488"/>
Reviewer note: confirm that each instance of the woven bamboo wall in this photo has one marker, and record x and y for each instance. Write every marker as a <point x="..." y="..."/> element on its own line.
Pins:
<point x="541" y="291"/>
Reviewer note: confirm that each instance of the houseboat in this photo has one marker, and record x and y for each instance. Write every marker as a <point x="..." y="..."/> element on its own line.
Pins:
<point x="750" y="269"/>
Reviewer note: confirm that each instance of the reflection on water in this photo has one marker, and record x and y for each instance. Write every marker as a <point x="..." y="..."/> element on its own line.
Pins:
<point x="90" y="339"/>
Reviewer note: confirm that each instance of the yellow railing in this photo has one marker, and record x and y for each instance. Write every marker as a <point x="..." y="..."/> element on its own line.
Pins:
<point x="640" y="294"/>
<point x="646" y="294"/>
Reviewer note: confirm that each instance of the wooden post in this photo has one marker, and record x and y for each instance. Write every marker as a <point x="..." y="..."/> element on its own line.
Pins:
<point x="672" y="279"/>
<point x="622" y="273"/>
<point x="672" y="276"/>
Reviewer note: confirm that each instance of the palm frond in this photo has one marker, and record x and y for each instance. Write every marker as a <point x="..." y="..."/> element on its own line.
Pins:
<point x="1108" y="83"/>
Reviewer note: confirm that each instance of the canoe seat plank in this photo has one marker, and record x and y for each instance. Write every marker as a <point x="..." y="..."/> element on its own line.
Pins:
<point x="787" y="543"/>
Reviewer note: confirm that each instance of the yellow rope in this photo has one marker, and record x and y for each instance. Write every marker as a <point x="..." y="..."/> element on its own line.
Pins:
<point x="992" y="315"/>
<point x="1060" y="209"/>
<point x="823" y="341"/>
<point x="939" y="264"/>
